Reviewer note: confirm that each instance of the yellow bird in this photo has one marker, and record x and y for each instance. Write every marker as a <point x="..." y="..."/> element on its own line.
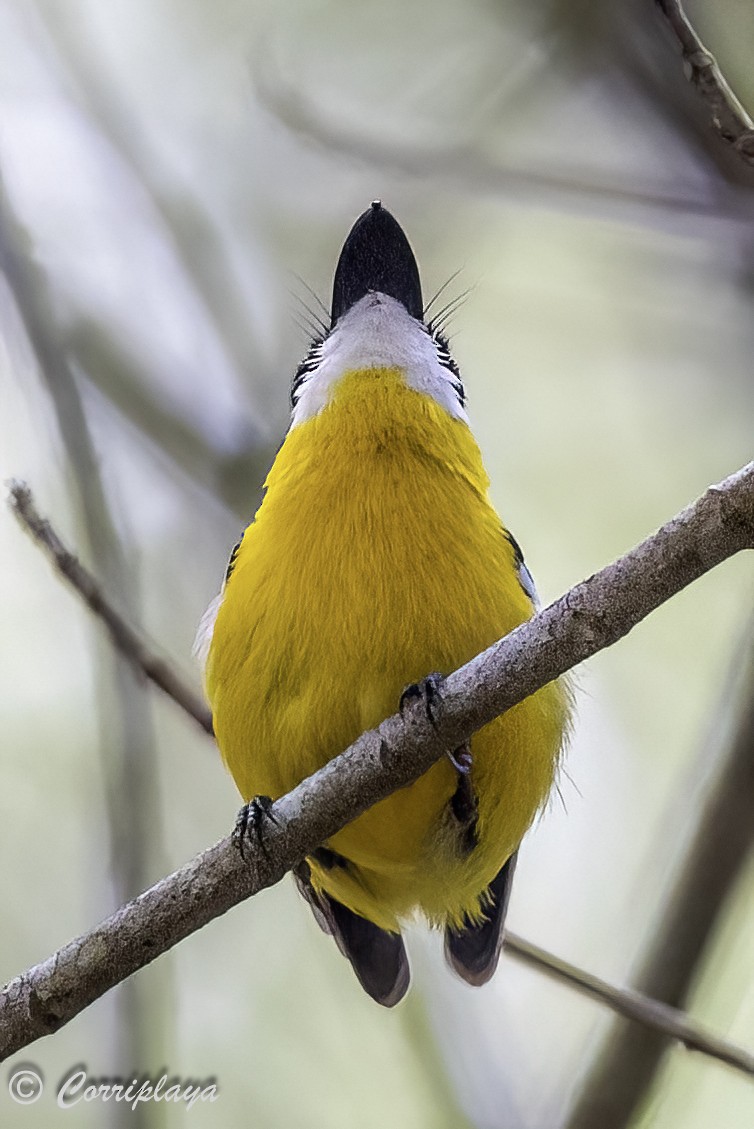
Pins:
<point x="375" y="559"/>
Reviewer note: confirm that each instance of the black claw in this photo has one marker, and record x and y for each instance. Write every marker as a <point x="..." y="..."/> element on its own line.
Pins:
<point x="430" y="690"/>
<point x="461" y="760"/>
<point x="249" y="822"/>
<point x="464" y="803"/>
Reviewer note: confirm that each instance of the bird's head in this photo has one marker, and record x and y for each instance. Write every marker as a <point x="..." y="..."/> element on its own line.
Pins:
<point x="377" y="322"/>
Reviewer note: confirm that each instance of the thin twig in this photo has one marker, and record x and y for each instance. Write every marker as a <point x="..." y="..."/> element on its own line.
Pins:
<point x="126" y="639"/>
<point x="722" y="839"/>
<point x="729" y="117"/>
<point x="591" y="616"/>
<point x="668" y="1022"/>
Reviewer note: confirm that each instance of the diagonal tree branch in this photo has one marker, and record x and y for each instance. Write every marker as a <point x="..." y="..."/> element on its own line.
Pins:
<point x="729" y="117"/>
<point x="125" y="638"/>
<point x="591" y="616"/>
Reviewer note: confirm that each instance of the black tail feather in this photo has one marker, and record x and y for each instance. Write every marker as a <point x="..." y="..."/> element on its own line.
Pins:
<point x="474" y="950"/>
<point x="377" y="957"/>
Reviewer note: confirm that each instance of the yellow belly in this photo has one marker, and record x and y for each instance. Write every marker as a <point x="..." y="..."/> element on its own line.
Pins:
<point x="374" y="560"/>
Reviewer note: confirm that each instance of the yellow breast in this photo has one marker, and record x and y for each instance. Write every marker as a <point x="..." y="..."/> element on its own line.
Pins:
<point x="375" y="559"/>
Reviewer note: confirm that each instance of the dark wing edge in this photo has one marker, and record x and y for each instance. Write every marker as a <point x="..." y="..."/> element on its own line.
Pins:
<point x="525" y="578"/>
<point x="473" y="951"/>
<point x="377" y="957"/>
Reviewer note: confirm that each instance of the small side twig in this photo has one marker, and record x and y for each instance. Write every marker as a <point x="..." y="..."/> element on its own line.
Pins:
<point x="729" y="117"/>
<point x="658" y="1017"/>
<point x="126" y="639"/>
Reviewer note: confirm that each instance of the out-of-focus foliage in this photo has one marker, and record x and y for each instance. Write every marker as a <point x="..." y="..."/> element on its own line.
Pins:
<point x="178" y="168"/>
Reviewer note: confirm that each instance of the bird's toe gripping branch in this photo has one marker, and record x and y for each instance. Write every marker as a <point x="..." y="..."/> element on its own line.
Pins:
<point x="429" y="690"/>
<point x="250" y="822"/>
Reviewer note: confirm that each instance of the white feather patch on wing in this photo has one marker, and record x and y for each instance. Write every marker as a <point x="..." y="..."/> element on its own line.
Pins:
<point x="377" y="332"/>
<point x="205" y="631"/>
<point x="527" y="583"/>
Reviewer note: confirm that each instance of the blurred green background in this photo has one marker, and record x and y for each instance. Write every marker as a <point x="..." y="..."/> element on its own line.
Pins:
<point x="173" y="170"/>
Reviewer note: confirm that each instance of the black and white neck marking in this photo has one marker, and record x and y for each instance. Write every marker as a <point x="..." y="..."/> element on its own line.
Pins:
<point x="378" y="332"/>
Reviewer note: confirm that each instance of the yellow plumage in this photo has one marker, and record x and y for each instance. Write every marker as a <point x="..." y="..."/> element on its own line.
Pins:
<point x="375" y="559"/>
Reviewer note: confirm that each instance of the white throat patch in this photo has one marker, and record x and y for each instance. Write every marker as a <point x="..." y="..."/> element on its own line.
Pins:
<point x="377" y="332"/>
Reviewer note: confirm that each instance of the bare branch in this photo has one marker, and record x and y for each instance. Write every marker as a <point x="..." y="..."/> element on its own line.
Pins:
<point x="668" y="1022"/>
<point x="729" y="117"/>
<point x="125" y="638"/>
<point x="591" y="616"/>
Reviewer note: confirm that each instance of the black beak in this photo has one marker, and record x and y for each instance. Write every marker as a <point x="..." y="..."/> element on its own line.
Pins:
<point x="376" y="256"/>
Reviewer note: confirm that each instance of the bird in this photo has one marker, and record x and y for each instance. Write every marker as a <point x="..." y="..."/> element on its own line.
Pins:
<point x="376" y="564"/>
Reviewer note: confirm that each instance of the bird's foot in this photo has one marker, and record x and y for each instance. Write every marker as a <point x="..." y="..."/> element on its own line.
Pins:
<point x="429" y="690"/>
<point x="250" y="821"/>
